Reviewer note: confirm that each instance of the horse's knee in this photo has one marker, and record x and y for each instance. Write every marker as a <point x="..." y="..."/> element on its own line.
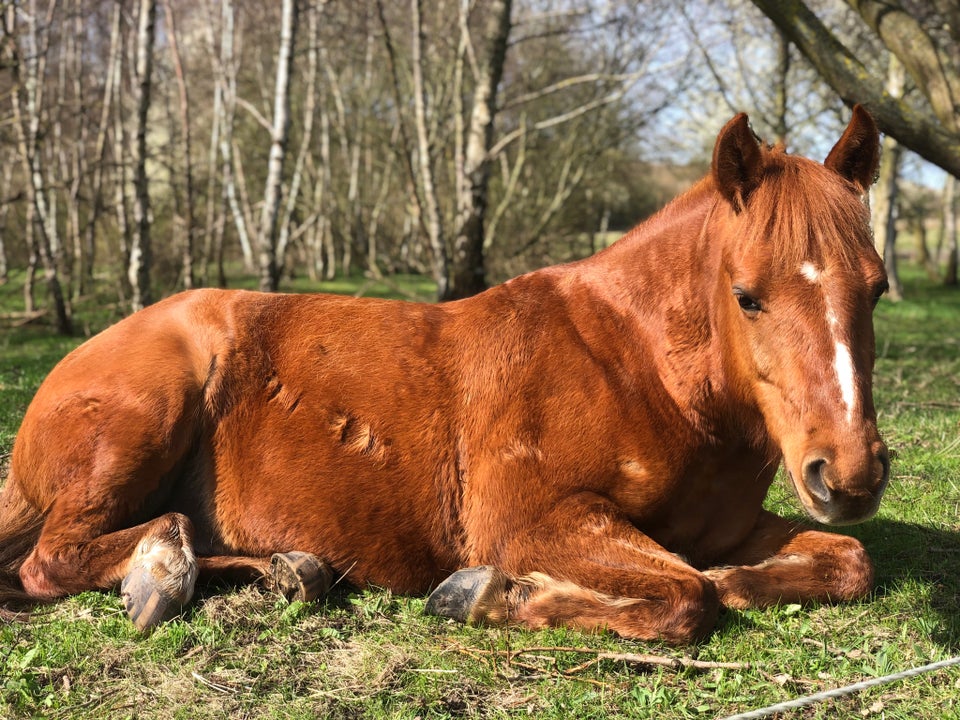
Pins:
<point x="692" y="606"/>
<point x="37" y="579"/>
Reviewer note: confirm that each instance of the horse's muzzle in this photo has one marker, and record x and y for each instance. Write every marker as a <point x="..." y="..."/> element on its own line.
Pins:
<point x="834" y="497"/>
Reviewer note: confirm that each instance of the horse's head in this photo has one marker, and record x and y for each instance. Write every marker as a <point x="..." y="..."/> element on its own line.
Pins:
<point x="798" y="283"/>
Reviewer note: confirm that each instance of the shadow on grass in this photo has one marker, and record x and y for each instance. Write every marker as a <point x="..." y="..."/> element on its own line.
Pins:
<point x="907" y="553"/>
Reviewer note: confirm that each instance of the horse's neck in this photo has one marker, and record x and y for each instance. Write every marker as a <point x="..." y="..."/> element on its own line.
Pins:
<point x="662" y="278"/>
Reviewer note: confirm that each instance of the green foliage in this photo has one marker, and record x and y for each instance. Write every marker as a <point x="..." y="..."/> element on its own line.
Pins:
<point x="370" y="654"/>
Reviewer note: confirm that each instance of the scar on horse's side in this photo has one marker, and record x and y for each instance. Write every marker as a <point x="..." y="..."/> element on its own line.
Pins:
<point x="586" y="445"/>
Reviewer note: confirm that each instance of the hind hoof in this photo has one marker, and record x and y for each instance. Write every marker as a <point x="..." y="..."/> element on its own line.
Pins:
<point x="472" y="595"/>
<point x="300" y="576"/>
<point x="146" y="604"/>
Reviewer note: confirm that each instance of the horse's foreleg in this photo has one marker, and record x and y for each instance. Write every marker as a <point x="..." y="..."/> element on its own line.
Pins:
<point x="585" y="566"/>
<point x="783" y="562"/>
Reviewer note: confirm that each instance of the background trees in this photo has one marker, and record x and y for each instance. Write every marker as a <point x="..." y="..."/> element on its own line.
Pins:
<point x="147" y="148"/>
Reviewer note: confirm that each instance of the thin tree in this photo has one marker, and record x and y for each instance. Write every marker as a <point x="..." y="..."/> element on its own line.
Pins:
<point x="141" y="252"/>
<point x="27" y="126"/>
<point x="269" y="262"/>
<point x="886" y="190"/>
<point x="188" y="222"/>
<point x="950" y="230"/>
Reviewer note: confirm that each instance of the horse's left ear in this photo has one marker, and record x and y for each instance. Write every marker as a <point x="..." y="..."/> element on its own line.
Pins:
<point x="856" y="156"/>
<point x="737" y="161"/>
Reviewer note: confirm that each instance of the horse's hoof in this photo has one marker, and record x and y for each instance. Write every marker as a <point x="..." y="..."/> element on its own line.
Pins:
<point x="146" y="603"/>
<point x="472" y="595"/>
<point x="300" y="576"/>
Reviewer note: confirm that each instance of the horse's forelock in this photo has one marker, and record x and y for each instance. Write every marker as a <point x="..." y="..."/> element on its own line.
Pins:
<point x="803" y="211"/>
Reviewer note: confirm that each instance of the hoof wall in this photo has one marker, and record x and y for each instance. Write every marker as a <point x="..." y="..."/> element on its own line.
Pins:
<point x="147" y="606"/>
<point x="300" y="576"/>
<point x="469" y="595"/>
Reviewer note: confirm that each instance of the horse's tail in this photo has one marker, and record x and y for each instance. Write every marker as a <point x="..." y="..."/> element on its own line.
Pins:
<point x="20" y="525"/>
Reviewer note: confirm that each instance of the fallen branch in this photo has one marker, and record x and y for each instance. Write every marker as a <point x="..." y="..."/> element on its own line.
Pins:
<point x="511" y="658"/>
<point x="19" y="319"/>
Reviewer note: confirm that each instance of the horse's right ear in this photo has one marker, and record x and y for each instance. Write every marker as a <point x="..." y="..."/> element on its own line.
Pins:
<point x="856" y="156"/>
<point x="737" y="161"/>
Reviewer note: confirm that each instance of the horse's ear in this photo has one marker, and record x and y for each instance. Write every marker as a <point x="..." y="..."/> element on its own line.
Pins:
<point x="856" y="156"/>
<point x="737" y="161"/>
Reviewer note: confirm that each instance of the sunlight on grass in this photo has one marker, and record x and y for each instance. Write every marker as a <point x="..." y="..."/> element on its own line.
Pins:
<point x="246" y="653"/>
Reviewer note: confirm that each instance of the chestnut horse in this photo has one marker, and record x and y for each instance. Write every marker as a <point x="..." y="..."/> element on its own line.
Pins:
<point x="586" y="445"/>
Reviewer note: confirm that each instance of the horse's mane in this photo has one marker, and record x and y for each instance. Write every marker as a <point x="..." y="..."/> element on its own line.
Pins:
<point x="801" y="210"/>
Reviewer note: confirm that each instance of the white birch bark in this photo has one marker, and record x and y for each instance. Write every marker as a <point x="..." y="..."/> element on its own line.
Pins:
<point x="269" y="262"/>
<point x="141" y="252"/>
<point x="431" y="208"/>
<point x="468" y="272"/>
<point x="27" y="126"/>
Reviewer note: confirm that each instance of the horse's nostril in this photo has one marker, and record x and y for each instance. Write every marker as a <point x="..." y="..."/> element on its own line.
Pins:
<point x="884" y="459"/>
<point x="813" y="479"/>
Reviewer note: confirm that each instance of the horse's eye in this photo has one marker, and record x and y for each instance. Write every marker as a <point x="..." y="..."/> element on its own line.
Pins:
<point x="878" y="293"/>
<point x="747" y="303"/>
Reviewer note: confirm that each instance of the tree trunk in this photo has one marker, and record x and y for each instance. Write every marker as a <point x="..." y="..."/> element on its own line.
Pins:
<point x="27" y="130"/>
<point x="950" y="230"/>
<point x="781" y="99"/>
<point x="886" y="190"/>
<point x="215" y="203"/>
<point x="141" y="254"/>
<point x="309" y="111"/>
<point x="5" y="202"/>
<point x="431" y="208"/>
<point x="121" y="180"/>
<point x="269" y="265"/>
<point x="225" y="70"/>
<point x="110" y="91"/>
<point x="189" y="230"/>
<point x="468" y="271"/>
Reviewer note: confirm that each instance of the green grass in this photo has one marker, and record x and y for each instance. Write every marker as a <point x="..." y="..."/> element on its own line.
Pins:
<point x="242" y="652"/>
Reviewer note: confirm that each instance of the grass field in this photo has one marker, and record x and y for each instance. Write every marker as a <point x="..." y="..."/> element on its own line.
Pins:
<point x="244" y="653"/>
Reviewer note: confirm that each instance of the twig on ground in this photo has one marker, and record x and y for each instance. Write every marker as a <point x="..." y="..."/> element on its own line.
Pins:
<point x="512" y="659"/>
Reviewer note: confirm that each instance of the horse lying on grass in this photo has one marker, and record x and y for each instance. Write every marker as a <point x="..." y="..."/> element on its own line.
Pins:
<point x="586" y="445"/>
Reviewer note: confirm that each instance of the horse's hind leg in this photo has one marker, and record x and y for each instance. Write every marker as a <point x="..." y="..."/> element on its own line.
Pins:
<point x="154" y="563"/>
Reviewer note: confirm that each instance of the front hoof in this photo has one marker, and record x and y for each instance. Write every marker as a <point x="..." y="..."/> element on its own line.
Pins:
<point x="146" y="603"/>
<point x="472" y="595"/>
<point x="300" y="576"/>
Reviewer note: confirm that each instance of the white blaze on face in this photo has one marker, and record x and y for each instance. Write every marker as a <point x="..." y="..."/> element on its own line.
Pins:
<point x="842" y="359"/>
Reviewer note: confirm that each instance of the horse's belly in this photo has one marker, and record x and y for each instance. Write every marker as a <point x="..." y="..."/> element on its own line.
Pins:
<point x="342" y="485"/>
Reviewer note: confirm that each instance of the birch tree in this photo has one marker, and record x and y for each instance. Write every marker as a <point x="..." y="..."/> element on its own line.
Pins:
<point x="26" y="117"/>
<point x="141" y="251"/>
<point x="269" y="262"/>
<point x="187" y="223"/>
